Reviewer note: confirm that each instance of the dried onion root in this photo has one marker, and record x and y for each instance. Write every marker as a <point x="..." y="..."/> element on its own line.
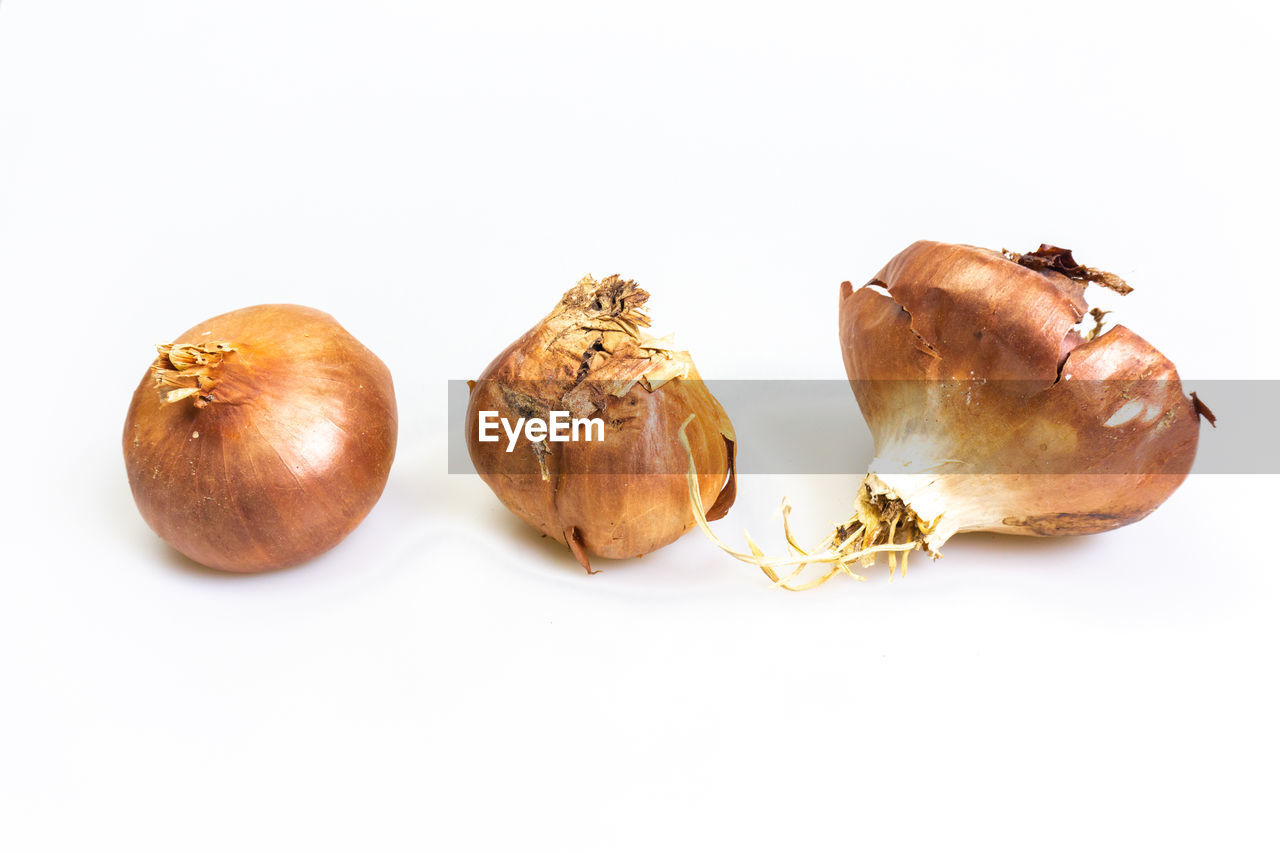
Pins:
<point x="838" y="550"/>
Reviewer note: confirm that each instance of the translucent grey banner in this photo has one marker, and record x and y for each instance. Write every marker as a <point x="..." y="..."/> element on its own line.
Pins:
<point x="817" y="427"/>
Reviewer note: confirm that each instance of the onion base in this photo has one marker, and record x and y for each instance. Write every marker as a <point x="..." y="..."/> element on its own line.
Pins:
<point x="882" y="523"/>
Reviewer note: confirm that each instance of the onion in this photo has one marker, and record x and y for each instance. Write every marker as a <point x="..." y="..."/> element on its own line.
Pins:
<point x="993" y="409"/>
<point x="260" y="438"/>
<point x="626" y="495"/>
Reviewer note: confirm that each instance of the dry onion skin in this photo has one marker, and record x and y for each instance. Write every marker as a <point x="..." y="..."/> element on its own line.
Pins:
<point x="998" y="404"/>
<point x="260" y="438"/>
<point x="627" y="495"/>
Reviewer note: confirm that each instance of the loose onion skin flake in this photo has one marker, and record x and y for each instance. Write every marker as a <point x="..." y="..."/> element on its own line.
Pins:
<point x="260" y="438"/>
<point x="994" y="409"/>
<point x="626" y="495"/>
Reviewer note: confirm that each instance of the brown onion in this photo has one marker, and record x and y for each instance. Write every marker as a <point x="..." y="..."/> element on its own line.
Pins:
<point x="624" y="496"/>
<point x="260" y="438"/>
<point x="993" y="409"/>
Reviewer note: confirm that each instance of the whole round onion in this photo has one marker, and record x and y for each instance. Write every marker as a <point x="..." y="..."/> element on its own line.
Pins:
<point x="994" y="409"/>
<point x="624" y="496"/>
<point x="260" y="438"/>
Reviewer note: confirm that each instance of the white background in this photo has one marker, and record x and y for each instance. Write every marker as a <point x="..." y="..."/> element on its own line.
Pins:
<point x="435" y="175"/>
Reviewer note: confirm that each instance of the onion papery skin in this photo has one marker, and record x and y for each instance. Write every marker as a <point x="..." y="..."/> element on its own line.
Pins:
<point x="992" y="410"/>
<point x="625" y="496"/>
<point x="278" y="454"/>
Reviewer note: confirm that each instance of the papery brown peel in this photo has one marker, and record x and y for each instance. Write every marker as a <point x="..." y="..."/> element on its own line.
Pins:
<point x="591" y="357"/>
<point x="260" y="438"/>
<point x="992" y="410"/>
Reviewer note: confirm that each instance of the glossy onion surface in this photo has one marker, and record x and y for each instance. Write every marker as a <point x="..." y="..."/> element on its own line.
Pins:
<point x="997" y="403"/>
<point x="260" y="438"/>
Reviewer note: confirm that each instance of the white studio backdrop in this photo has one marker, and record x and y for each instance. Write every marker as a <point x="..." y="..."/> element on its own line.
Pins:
<point x="435" y="175"/>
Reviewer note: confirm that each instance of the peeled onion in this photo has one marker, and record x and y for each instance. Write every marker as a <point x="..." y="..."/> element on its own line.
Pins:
<point x="260" y="438"/>
<point x="993" y="408"/>
<point x="624" y="496"/>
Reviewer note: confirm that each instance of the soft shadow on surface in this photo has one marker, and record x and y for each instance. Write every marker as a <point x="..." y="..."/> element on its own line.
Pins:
<point x="554" y="558"/>
<point x="1030" y="545"/>
<point x="973" y="553"/>
<point x="463" y="502"/>
<point x="963" y="554"/>
<point x="120" y="514"/>
<point x="517" y="534"/>
<point x="172" y="559"/>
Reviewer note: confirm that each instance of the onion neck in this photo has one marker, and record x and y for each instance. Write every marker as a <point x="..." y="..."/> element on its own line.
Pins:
<point x="602" y="326"/>
<point x="1059" y="260"/>
<point x="189" y="370"/>
<point x="613" y="300"/>
<point x="607" y="313"/>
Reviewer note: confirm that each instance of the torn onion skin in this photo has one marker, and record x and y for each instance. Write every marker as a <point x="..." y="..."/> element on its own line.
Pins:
<point x="993" y="409"/>
<point x="625" y="496"/>
<point x="1059" y="431"/>
<point x="260" y="438"/>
